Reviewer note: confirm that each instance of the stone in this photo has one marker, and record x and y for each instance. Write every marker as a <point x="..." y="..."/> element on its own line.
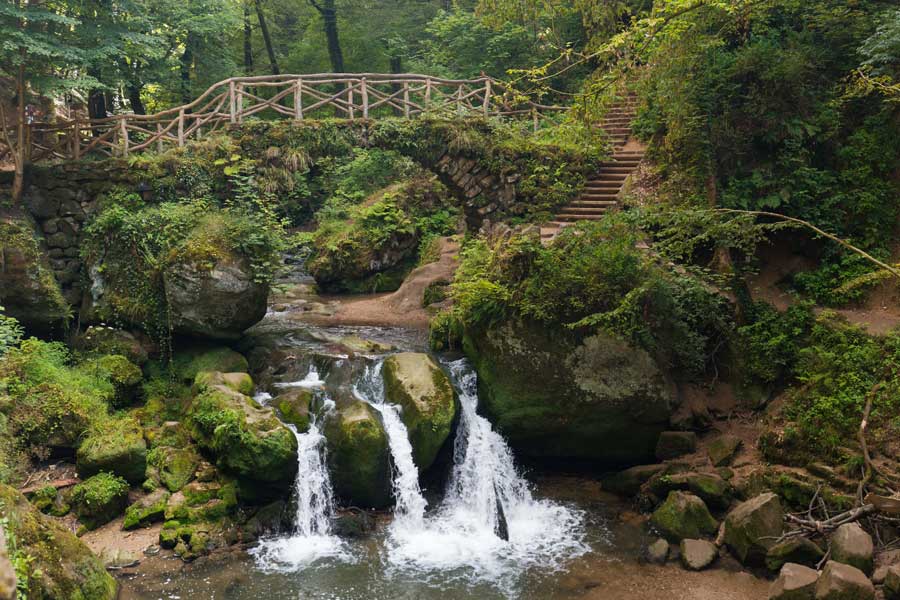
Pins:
<point x="149" y="509"/>
<point x="358" y="456"/>
<point x="99" y="499"/>
<point x="118" y="559"/>
<point x="418" y="385"/>
<point x="108" y="340"/>
<point x="62" y="565"/>
<point x="710" y="487"/>
<point x="40" y="205"/>
<point x="672" y="444"/>
<point x="629" y="481"/>
<point x="892" y="582"/>
<point x="851" y="545"/>
<point x="658" y="552"/>
<point x="191" y="360"/>
<point x="753" y="526"/>
<point x="683" y="515"/>
<point x="239" y="382"/>
<point x="722" y="449"/>
<point x="125" y="376"/>
<point x="558" y="396"/>
<point x="839" y="581"/>
<point x="692" y="414"/>
<point x="798" y="550"/>
<point x="247" y="440"/>
<point x="7" y="571"/>
<point x="355" y="524"/>
<point x="172" y="467"/>
<point x="795" y="582"/>
<point x="696" y="555"/>
<point x="120" y="449"/>
<point x="293" y="407"/>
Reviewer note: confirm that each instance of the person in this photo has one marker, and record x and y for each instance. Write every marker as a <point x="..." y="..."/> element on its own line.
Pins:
<point x="30" y="113"/>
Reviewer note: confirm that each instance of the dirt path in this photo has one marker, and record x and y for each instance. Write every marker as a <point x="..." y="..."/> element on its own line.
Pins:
<point x="110" y="539"/>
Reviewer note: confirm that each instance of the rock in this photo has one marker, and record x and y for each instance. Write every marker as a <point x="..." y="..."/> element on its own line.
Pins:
<point x="658" y="552"/>
<point x="29" y="291"/>
<point x="107" y="340"/>
<point x="696" y="555"/>
<point x="99" y="499"/>
<point x="218" y="302"/>
<point x="118" y="559"/>
<point x="682" y="516"/>
<point x="125" y="376"/>
<point x="358" y="456"/>
<point x="416" y="383"/>
<point x="722" y="449"/>
<point x="753" y="526"/>
<point x="7" y="571"/>
<point x="693" y="413"/>
<point x="118" y="449"/>
<point x="853" y="546"/>
<point x="672" y="444"/>
<point x="172" y="467"/>
<point x="149" y="509"/>
<point x="629" y="481"/>
<point x="556" y="395"/>
<point x="239" y="382"/>
<point x="356" y="524"/>
<point x="710" y="487"/>
<point x="795" y="582"/>
<point x="839" y="581"/>
<point x="293" y="407"/>
<point x="246" y="439"/>
<point x="892" y="582"/>
<point x="62" y="565"/>
<point x="799" y="550"/>
<point x="189" y="361"/>
<point x="269" y="519"/>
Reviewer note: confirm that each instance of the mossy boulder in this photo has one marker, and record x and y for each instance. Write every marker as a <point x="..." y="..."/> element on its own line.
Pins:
<point x="239" y="382"/>
<point x="100" y="339"/>
<point x="191" y="360"/>
<point x="29" y="291"/>
<point x="416" y="383"/>
<point x="293" y="407"/>
<point x="710" y="487"/>
<point x="115" y="448"/>
<point x="203" y="502"/>
<point x="63" y="567"/>
<point x="124" y="375"/>
<point x="246" y="439"/>
<point x="753" y="526"/>
<point x="100" y="499"/>
<point x="629" y="481"/>
<point x="557" y="395"/>
<point x="149" y="509"/>
<point x="358" y="456"/>
<point x="8" y="581"/>
<point x="171" y="467"/>
<point x="798" y="550"/>
<point x="683" y="516"/>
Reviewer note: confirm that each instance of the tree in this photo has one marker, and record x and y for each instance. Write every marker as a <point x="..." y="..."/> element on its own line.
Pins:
<point x="328" y="12"/>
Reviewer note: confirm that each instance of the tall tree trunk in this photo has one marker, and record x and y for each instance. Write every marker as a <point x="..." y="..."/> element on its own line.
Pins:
<point x="273" y="61"/>
<point x="186" y="63"/>
<point x="396" y="67"/>
<point x="96" y="98"/>
<point x="248" y="41"/>
<point x="330" y="24"/>
<point x="21" y="151"/>
<point x="134" y="98"/>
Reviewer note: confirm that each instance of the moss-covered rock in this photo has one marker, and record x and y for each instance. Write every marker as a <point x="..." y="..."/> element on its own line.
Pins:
<point x="416" y="383"/>
<point x="191" y="360"/>
<point x="799" y="550"/>
<point x="555" y="395"/>
<point x="710" y="487"/>
<point x="202" y="502"/>
<point x="358" y="456"/>
<point x="29" y="291"/>
<point x="118" y="447"/>
<point x="149" y="509"/>
<point x="753" y="526"/>
<point x="8" y="582"/>
<point x="172" y="467"/>
<point x="245" y="438"/>
<point x="100" y="499"/>
<point x="239" y="382"/>
<point x="100" y="339"/>
<point x="63" y="567"/>
<point x="124" y="375"/>
<point x="293" y="407"/>
<point x="682" y="516"/>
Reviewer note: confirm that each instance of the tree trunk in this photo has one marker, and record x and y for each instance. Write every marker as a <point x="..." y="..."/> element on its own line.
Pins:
<point x="187" y="62"/>
<point x="273" y="61"/>
<point x="134" y="98"/>
<point x="248" y="41"/>
<point x="20" y="152"/>
<point x="396" y="67"/>
<point x="330" y="24"/>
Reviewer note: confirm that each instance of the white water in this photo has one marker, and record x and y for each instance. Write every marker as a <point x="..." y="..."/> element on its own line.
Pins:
<point x="460" y="536"/>
<point x="409" y="512"/>
<point x="311" y="381"/>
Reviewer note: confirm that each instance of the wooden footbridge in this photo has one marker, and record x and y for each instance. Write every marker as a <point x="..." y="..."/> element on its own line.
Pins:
<point x="298" y="97"/>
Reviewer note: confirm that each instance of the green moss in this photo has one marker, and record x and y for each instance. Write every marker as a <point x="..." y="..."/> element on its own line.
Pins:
<point x="358" y="456"/>
<point x="146" y="510"/>
<point x="293" y="407"/>
<point x="173" y="467"/>
<point x="124" y="375"/>
<point x="100" y="499"/>
<point x="117" y="446"/>
<point x="189" y="361"/>
<point x="683" y="516"/>
<point x="239" y="382"/>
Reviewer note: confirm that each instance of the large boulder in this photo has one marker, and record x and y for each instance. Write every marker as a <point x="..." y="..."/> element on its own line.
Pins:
<point x="101" y="339"/>
<point x="892" y="582"/>
<point x="359" y="456"/>
<point x="843" y="582"/>
<point x="557" y="395"/>
<point x="682" y="516"/>
<point x="795" y="582"/>
<point x="629" y="481"/>
<point x="753" y="527"/>
<point x="798" y="550"/>
<point x="217" y="302"/>
<point x="423" y="390"/>
<point x="696" y="555"/>
<point x="118" y="448"/>
<point x="99" y="499"/>
<point x="63" y="567"/>
<point x="851" y="545"/>
<point x="7" y="571"/>
<point x="710" y="487"/>
<point x="246" y="439"/>
<point x="28" y="289"/>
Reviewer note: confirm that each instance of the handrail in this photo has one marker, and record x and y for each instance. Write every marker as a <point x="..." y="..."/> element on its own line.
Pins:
<point x="230" y="101"/>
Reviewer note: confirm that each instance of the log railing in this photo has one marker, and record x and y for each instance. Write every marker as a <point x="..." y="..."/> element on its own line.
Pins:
<point x="299" y="97"/>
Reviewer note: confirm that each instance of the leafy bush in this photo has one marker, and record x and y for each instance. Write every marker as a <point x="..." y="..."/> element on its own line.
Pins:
<point x="770" y="343"/>
<point x="10" y="332"/>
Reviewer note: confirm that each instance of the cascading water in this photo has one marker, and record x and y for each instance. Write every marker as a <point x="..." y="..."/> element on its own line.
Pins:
<point x="311" y="538"/>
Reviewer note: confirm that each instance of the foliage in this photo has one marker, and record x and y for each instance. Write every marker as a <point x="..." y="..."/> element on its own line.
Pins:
<point x="769" y="343"/>
<point x="10" y="333"/>
<point x="20" y="559"/>
<point x="591" y="276"/>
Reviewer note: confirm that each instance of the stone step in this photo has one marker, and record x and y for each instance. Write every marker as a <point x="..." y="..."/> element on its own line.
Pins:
<point x="594" y="210"/>
<point x="610" y="170"/>
<point x="590" y="204"/>
<point x="607" y="197"/>
<point x="574" y="218"/>
<point x="625" y="162"/>
<point x="602" y="186"/>
<point x="619" y="177"/>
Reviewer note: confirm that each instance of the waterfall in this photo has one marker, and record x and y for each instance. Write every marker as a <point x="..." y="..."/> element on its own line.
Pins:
<point x="409" y="511"/>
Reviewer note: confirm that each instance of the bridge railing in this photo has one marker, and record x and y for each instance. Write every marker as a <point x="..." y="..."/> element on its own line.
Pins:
<point x="299" y="97"/>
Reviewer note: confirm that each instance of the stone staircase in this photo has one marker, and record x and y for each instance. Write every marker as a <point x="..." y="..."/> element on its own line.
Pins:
<point x="601" y="192"/>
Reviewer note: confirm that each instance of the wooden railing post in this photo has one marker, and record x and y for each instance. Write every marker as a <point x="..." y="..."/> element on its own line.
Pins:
<point x="487" y="97"/>
<point x="406" y="99"/>
<point x="350" y="99"/>
<point x="239" y="90"/>
<point x="181" y="128"/>
<point x="123" y="131"/>
<point x="76" y="140"/>
<point x="232" y="103"/>
<point x="159" y="138"/>
<point x="298" y="100"/>
<point x="365" y="98"/>
<point x="459" y="96"/>
<point x="428" y="91"/>
<point x="28" y="143"/>
<point x="534" y="116"/>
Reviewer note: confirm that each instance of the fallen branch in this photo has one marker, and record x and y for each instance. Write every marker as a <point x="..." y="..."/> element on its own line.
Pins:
<point x="810" y="527"/>
<point x="58" y="484"/>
